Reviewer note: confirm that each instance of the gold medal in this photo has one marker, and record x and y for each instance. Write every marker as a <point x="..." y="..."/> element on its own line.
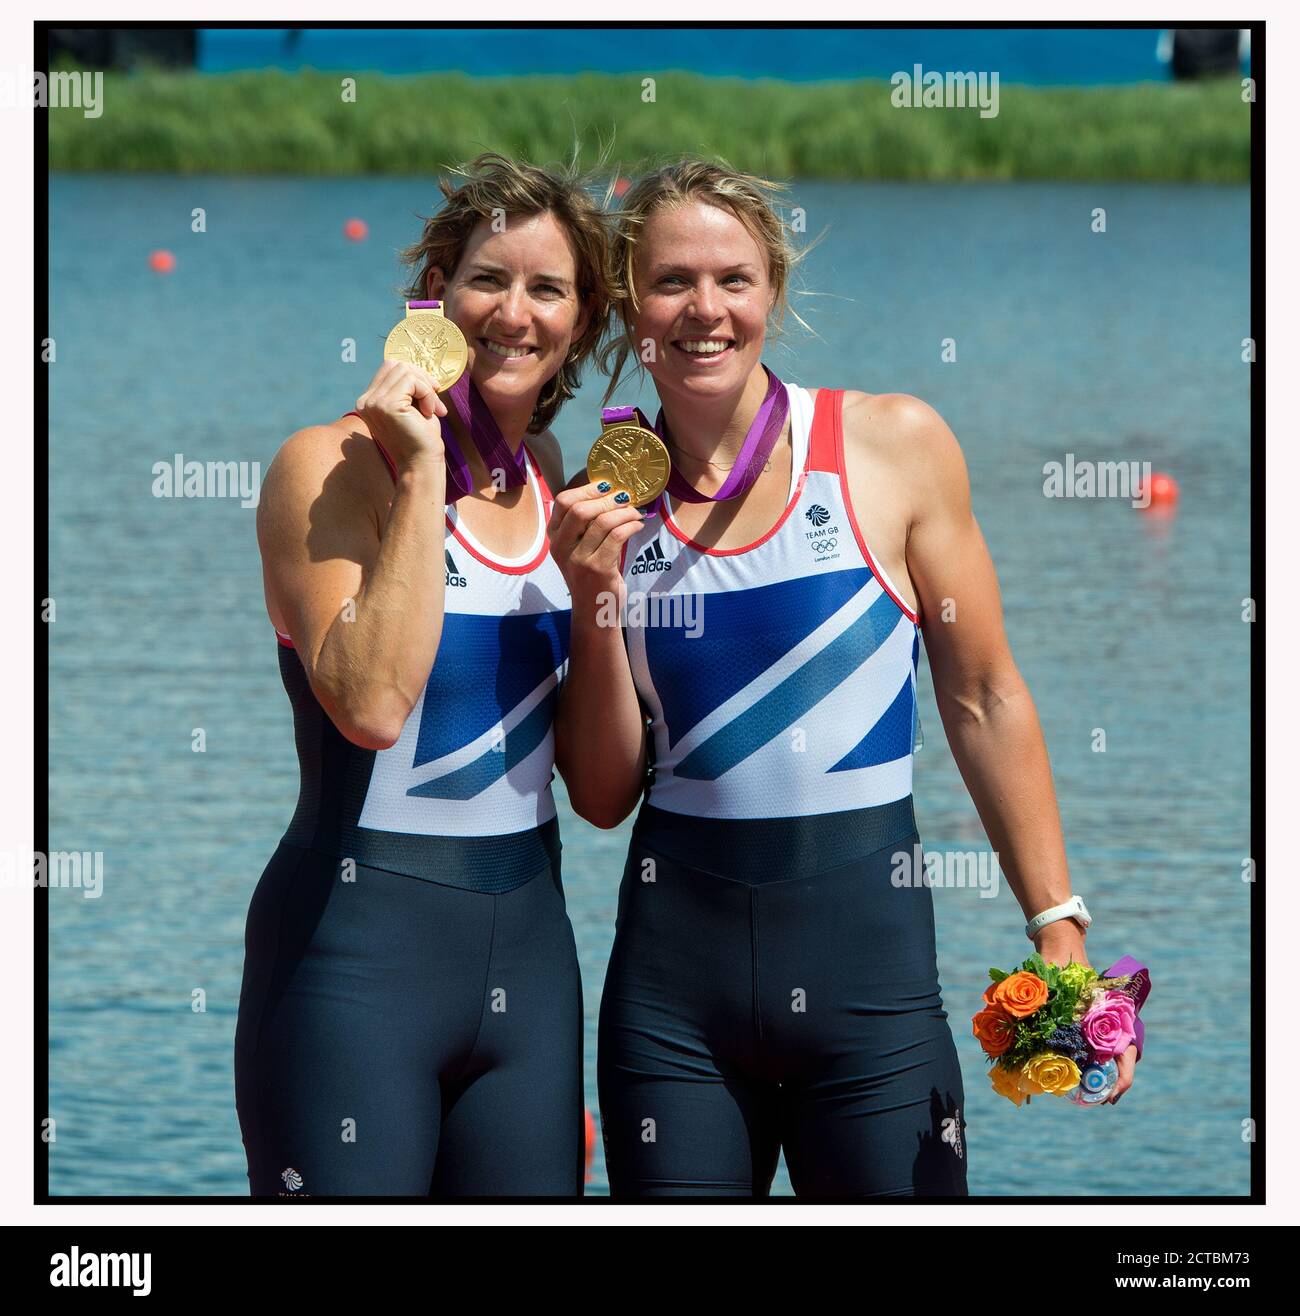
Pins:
<point x="426" y="338"/>
<point x="630" y="457"/>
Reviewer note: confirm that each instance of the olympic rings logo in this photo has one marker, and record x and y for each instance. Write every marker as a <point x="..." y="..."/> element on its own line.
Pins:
<point x="823" y="545"/>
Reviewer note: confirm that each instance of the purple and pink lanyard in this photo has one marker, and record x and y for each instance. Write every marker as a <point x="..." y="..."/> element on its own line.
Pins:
<point x="467" y="402"/>
<point x="764" y="431"/>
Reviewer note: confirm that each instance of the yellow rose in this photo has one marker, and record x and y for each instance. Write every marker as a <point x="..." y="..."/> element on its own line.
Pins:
<point x="1052" y="1073"/>
<point x="1006" y="1083"/>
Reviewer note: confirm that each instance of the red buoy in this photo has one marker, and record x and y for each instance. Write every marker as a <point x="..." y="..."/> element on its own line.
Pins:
<point x="162" y="262"/>
<point x="355" y="230"/>
<point x="621" y="186"/>
<point x="1160" y="491"/>
<point x="591" y="1140"/>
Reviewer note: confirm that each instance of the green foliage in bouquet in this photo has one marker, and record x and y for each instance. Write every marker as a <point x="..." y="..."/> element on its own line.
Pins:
<point x="1065" y="985"/>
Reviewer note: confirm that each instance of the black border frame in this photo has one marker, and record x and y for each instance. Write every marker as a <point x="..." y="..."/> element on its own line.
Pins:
<point x="41" y="466"/>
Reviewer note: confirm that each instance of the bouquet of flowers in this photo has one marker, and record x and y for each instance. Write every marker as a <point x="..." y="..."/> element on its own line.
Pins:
<point x="1057" y="1029"/>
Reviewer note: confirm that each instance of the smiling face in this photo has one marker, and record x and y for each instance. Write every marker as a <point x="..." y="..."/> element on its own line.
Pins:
<point x="702" y="282"/>
<point x="514" y="296"/>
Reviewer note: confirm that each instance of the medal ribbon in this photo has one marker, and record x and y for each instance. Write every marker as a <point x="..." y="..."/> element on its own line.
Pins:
<point x="467" y="402"/>
<point x="754" y="452"/>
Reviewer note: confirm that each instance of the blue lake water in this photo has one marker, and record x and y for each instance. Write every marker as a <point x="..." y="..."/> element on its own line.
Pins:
<point x="1041" y="56"/>
<point x="1122" y="346"/>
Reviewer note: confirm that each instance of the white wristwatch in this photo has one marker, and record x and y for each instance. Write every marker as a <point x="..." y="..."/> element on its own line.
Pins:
<point x="1072" y="908"/>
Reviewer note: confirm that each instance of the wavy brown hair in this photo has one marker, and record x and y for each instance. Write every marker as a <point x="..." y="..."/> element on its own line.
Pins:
<point x="492" y="185"/>
<point x="751" y="199"/>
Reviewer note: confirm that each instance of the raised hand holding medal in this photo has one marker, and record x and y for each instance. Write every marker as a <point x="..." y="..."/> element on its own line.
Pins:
<point x="426" y="338"/>
<point x="629" y="457"/>
<point x="432" y="343"/>
<point x="633" y="456"/>
<point x="629" y="467"/>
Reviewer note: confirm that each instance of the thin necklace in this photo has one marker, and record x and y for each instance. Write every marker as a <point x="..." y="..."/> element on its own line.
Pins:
<point x="767" y="465"/>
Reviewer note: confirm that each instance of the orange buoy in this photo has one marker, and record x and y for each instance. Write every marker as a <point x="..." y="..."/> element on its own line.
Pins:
<point x="591" y="1140"/>
<point x="621" y="186"/>
<point x="162" y="262"/>
<point x="1160" y="491"/>
<point x="355" y="230"/>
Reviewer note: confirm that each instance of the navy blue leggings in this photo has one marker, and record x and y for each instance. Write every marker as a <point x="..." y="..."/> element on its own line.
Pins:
<point x="771" y="987"/>
<point x="402" y="1037"/>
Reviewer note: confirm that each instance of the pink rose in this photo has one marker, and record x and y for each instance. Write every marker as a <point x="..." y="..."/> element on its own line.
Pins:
<point x="1109" y="1026"/>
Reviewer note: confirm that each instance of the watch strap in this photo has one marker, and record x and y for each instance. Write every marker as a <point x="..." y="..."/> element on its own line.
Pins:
<point x="1072" y="908"/>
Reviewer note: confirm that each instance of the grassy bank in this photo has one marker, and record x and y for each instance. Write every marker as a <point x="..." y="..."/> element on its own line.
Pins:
<point x="275" y="122"/>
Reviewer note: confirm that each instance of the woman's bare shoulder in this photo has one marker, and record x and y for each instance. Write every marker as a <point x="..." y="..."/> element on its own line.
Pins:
<point x="326" y="445"/>
<point x="338" y="457"/>
<point x="899" y="440"/>
<point x="898" y="427"/>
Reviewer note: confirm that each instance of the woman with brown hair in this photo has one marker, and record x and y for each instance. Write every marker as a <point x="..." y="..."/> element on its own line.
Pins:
<point x="773" y="982"/>
<point x="411" y="1015"/>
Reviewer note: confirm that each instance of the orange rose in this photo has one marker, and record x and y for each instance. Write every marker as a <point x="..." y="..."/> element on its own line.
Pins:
<point x="1019" y="995"/>
<point x="995" y="1029"/>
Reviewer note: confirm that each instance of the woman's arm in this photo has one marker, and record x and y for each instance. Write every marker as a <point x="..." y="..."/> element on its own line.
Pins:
<point x="360" y="594"/>
<point x="902" y="445"/>
<point x="987" y="712"/>
<point x="600" y="733"/>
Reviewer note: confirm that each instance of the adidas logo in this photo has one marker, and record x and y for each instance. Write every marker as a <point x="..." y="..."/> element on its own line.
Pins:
<point x="950" y="1132"/>
<point x="454" y="578"/>
<point x="650" y="558"/>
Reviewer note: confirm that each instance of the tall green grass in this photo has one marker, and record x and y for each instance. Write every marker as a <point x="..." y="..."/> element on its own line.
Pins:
<point x="276" y="122"/>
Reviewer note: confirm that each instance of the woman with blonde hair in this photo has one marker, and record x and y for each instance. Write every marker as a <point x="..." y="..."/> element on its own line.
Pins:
<point x="411" y="1015"/>
<point x="773" y="982"/>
